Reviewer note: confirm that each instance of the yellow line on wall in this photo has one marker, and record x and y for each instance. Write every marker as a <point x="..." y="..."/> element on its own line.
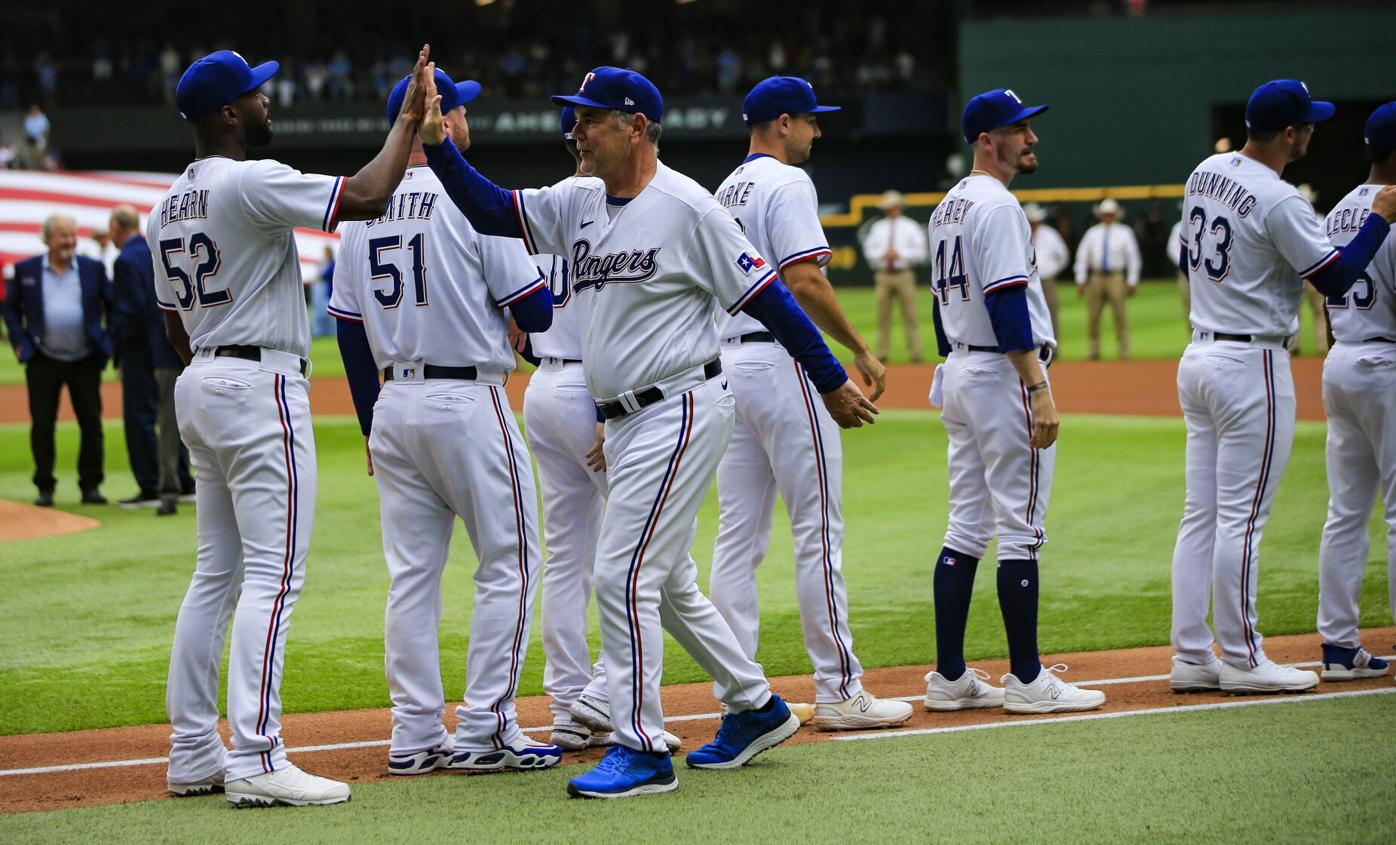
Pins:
<point x="860" y="204"/>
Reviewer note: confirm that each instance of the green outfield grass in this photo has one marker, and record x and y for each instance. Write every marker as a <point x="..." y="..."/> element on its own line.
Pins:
<point x="1227" y="776"/>
<point x="87" y="618"/>
<point x="1157" y="329"/>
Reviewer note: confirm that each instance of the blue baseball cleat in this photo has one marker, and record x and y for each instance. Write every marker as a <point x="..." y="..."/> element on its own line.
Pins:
<point x="1350" y="664"/>
<point x="624" y="772"/>
<point x="746" y="734"/>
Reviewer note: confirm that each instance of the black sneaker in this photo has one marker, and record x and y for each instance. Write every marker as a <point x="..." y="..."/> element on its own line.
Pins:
<point x="169" y="506"/>
<point x="44" y="499"/>
<point x="140" y="500"/>
<point x="93" y="497"/>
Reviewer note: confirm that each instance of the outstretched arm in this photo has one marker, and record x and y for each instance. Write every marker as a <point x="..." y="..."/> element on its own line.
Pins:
<point x="812" y="290"/>
<point x="366" y="193"/>
<point x="488" y="207"/>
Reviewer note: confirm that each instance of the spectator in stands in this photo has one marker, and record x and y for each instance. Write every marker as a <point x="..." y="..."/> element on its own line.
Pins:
<point x="1052" y="258"/>
<point x="1107" y="268"/>
<point x="149" y="367"/>
<point x="36" y="126"/>
<point x="55" y="309"/>
<point x="894" y="246"/>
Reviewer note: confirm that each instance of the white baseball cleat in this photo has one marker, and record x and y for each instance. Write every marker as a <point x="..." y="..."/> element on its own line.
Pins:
<point x="421" y="762"/>
<point x="287" y="787"/>
<point x="204" y="786"/>
<point x="1194" y="677"/>
<point x="1047" y="694"/>
<point x="570" y="737"/>
<point x="860" y="712"/>
<point x="967" y="692"/>
<point x="524" y="755"/>
<point x="592" y="712"/>
<point x="1267" y="677"/>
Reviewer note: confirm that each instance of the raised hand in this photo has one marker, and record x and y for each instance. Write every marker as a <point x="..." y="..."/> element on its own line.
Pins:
<point x="413" y="103"/>
<point x="433" y="129"/>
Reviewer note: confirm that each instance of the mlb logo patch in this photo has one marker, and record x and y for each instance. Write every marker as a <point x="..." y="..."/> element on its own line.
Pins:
<point x="750" y="262"/>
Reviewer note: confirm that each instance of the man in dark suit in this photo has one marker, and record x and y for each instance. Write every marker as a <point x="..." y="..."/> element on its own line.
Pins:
<point x="149" y="367"/>
<point x="54" y="308"/>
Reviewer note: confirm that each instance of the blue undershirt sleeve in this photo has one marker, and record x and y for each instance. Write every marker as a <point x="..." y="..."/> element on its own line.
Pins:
<point x="360" y="369"/>
<point x="942" y="342"/>
<point x="1338" y="276"/>
<point x="534" y="313"/>
<point x="488" y="207"/>
<point x="775" y="308"/>
<point x="1008" y="311"/>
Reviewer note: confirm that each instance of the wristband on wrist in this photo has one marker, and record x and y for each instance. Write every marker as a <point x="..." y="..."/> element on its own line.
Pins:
<point x="1041" y="385"/>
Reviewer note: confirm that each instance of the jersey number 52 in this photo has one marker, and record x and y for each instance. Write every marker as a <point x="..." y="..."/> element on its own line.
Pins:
<point x="189" y="290"/>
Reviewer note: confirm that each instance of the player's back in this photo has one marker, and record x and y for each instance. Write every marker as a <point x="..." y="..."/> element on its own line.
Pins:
<point x="980" y="244"/>
<point x="1241" y="225"/>
<point x="225" y="256"/>
<point x="1368" y="309"/>
<point x="426" y="285"/>
<point x="777" y="207"/>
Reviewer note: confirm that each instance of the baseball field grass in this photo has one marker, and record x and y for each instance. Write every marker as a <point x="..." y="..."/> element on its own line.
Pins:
<point x="86" y="618"/>
<point x="1157" y="326"/>
<point x="1315" y="771"/>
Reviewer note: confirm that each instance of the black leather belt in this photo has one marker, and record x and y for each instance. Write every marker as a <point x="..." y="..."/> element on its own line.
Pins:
<point x="615" y="409"/>
<point x="548" y="359"/>
<point x="1044" y="352"/>
<point x="431" y="371"/>
<point x="754" y="337"/>
<point x="1378" y="340"/>
<point x="1236" y="338"/>
<point x="247" y="353"/>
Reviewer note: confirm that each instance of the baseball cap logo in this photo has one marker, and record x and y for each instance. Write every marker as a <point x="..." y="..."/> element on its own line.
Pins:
<point x="585" y="81"/>
<point x="629" y="102"/>
<point x="1304" y="85"/>
<point x="1016" y="98"/>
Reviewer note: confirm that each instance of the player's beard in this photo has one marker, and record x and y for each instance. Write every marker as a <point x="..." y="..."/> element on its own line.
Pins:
<point x="1027" y="162"/>
<point x="259" y="135"/>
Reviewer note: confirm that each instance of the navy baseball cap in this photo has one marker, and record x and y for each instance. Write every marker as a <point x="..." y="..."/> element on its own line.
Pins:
<point x="617" y="88"/>
<point x="780" y="95"/>
<point x="216" y="80"/>
<point x="1380" y="132"/>
<point x="992" y="109"/>
<point x="453" y="94"/>
<point x="569" y="122"/>
<point x="1284" y="102"/>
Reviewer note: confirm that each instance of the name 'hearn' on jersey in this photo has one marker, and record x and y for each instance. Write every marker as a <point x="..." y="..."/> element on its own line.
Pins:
<point x="428" y="287"/>
<point x="1368" y="309"/>
<point x="980" y="244"/>
<point x="777" y="207"/>
<point x="224" y="253"/>
<point x="1250" y="238"/>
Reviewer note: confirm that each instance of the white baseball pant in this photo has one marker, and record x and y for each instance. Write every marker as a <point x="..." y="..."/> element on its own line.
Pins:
<point x="999" y="484"/>
<point x="445" y="448"/>
<point x="783" y="440"/>
<point x="1238" y="402"/>
<point x="247" y="426"/>
<point x="661" y="460"/>
<point x="1359" y="398"/>
<point x="559" y="419"/>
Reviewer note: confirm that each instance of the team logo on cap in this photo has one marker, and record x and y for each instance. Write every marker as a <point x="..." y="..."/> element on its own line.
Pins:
<point x="629" y="102"/>
<point x="1016" y="98"/>
<point x="589" y="77"/>
<point x="1304" y="85"/>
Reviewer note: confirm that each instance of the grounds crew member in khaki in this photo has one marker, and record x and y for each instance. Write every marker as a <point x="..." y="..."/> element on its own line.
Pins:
<point x="894" y="245"/>
<point x="1110" y="252"/>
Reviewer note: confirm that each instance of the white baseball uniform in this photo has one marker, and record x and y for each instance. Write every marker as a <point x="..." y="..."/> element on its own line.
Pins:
<point x="783" y="440"/>
<point x="431" y="293"/>
<point x="1359" y="398"/>
<point x="1250" y="237"/>
<point x="560" y="422"/>
<point x="981" y="243"/>
<point x="646" y="273"/>
<point x="225" y="261"/>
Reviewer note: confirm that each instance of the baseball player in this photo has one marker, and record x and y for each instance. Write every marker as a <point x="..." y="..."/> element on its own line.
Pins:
<point x="420" y="297"/>
<point x="228" y="277"/>
<point x="782" y="439"/>
<point x="1359" y="399"/>
<point x="1051" y="254"/>
<point x="1000" y="418"/>
<point x="1249" y="241"/>
<point x="651" y="253"/>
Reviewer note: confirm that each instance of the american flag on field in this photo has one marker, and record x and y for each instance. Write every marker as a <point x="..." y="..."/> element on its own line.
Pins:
<point x="27" y="197"/>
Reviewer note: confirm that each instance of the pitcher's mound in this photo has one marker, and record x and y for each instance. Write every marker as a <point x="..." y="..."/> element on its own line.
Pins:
<point x="26" y="522"/>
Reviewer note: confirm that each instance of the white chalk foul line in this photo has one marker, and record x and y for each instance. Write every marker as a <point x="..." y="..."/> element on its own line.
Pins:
<point x="698" y="717"/>
<point x="1152" y="711"/>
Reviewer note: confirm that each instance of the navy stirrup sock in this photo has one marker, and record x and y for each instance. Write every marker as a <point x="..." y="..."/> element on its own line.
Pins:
<point x="1018" y="589"/>
<point x="953" y="587"/>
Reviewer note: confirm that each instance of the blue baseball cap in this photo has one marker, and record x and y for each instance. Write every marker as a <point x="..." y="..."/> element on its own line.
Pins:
<point x="216" y="80"/>
<point x="1380" y="132"/>
<point x="1284" y="102"/>
<point x="569" y="122"/>
<point x="780" y="95"/>
<point x="617" y="88"/>
<point x="453" y="94"/>
<point x="992" y="109"/>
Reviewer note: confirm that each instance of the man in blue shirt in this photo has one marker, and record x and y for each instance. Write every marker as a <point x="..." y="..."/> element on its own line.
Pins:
<point x="54" y="308"/>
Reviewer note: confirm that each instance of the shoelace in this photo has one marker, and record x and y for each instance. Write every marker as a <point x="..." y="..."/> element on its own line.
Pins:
<point x="614" y="761"/>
